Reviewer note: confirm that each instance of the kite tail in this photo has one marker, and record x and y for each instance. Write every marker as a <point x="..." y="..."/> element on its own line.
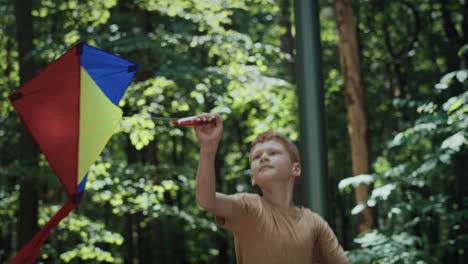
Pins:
<point x="28" y="254"/>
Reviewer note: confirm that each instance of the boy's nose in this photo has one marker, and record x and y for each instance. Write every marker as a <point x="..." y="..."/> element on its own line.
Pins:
<point x="263" y="157"/>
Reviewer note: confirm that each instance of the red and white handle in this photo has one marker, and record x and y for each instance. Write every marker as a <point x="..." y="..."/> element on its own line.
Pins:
<point x="191" y="121"/>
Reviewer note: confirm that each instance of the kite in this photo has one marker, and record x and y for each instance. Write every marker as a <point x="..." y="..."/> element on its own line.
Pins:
<point x="71" y="110"/>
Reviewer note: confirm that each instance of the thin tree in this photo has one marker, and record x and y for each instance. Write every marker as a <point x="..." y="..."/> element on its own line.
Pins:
<point x="287" y="39"/>
<point x="355" y="102"/>
<point x="27" y="151"/>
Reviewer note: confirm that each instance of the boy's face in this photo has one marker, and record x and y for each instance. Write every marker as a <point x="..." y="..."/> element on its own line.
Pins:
<point x="270" y="161"/>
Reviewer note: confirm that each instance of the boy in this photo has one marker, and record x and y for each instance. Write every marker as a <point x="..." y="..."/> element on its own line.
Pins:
<point x="268" y="228"/>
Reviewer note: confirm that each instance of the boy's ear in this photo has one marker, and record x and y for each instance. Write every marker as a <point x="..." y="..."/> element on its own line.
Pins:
<point x="253" y="181"/>
<point x="296" y="169"/>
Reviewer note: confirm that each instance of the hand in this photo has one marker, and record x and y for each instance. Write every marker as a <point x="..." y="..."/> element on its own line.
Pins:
<point x="209" y="134"/>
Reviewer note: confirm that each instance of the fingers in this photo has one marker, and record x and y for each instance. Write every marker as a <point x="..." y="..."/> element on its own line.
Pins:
<point x="206" y="117"/>
<point x="209" y="119"/>
<point x="209" y="129"/>
<point x="218" y="121"/>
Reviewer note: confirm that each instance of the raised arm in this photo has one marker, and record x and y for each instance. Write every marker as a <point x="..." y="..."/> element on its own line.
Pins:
<point x="208" y="136"/>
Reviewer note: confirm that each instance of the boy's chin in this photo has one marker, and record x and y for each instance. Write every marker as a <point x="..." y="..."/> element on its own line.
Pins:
<point x="264" y="179"/>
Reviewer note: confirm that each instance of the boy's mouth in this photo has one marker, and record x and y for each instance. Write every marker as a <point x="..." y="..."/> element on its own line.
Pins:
<point x="265" y="167"/>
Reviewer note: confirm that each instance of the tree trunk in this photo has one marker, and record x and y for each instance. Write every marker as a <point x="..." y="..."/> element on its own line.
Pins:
<point x="355" y="102"/>
<point x="131" y="221"/>
<point x="453" y="37"/>
<point x="27" y="151"/>
<point x="287" y="40"/>
<point x="6" y="235"/>
<point x="144" y="247"/>
<point x="454" y="43"/>
<point x="128" y="242"/>
<point x="460" y="196"/>
<point x="465" y="29"/>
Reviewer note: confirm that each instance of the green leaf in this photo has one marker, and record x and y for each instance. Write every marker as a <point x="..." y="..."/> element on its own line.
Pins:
<point x="383" y="192"/>
<point x="362" y="179"/>
<point x="462" y="75"/>
<point x="454" y="142"/>
<point x="455" y="106"/>
<point x="358" y="208"/>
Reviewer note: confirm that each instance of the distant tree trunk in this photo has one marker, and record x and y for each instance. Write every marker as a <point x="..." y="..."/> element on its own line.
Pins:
<point x="454" y="42"/>
<point x="355" y="101"/>
<point x="131" y="221"/>
<point x="27" y="151"/>
<point x="128" y="240"/>
<point x="150" y="153"/>
<point x="287" y="40"/>
<point x="465" y="28"/>
<point x="6" y="235"/>
<point x="158" y="244"/>
<point x="144" y="245"/>
<point x="177" y="247"/>
<point x="460" y="196"/>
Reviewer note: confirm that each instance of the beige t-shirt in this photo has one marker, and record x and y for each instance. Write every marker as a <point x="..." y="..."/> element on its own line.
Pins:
<point x="264" y="233"/>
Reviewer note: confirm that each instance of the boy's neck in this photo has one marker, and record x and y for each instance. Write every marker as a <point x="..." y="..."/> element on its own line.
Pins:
<point x="279" y="194"/>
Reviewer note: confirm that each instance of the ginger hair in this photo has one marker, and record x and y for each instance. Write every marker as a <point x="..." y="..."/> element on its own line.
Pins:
<point x="290" y="147"/>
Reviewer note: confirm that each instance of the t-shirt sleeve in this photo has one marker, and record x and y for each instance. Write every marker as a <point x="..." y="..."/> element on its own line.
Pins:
<point x="328" y="249"/>
<point x="244" y="208"/>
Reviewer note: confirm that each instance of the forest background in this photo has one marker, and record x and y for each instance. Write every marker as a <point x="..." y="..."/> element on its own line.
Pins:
<point x="237" y="58"/>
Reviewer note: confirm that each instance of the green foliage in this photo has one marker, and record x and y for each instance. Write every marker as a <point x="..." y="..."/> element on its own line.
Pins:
<point x="397" y="248"/>
<point x="226" y="57"/>
<point x="420" y="219"/>
<point x="196" y="56"/>
<point x="8" y="208"/>
<point x="94" y="242"/>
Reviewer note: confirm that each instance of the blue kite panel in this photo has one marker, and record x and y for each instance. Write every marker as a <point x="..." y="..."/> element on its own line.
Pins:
<point x="111" y="73"/>
<point x="82" y="184"/>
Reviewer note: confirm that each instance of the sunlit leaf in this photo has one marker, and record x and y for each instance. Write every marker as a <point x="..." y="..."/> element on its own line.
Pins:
<point x="358" y="208"/>
<point x="363" y="179"/>
<point x="454" y="142"/>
